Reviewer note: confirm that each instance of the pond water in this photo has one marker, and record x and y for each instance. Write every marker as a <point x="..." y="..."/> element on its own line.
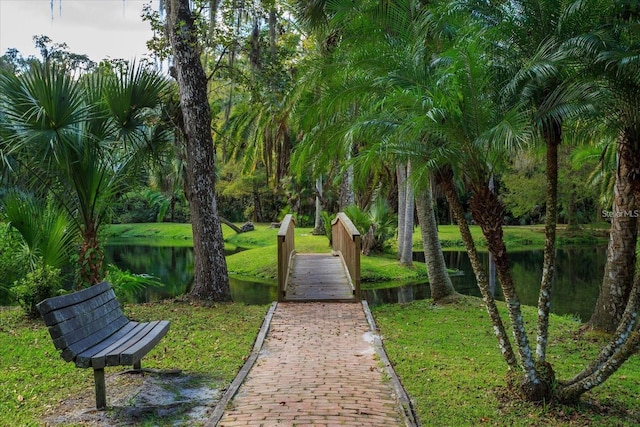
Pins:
<point x="578" y="275"/>
<point x="174" y="267"/>
<point x="577" y="279"/>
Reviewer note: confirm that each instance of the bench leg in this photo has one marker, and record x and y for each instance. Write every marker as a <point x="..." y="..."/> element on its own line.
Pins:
<point x="138" y="365"/>
<point x="101" y="389"/>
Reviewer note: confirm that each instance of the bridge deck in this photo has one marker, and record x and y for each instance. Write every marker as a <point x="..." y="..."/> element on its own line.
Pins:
<point x="319" y="277"/>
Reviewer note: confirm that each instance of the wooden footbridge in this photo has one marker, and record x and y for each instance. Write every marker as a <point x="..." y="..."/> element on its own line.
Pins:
<point x="320" y="277"/>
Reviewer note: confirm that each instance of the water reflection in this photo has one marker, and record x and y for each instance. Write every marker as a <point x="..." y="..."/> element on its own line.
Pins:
<point x="174" y="267"/>
<point x="578" y="274"/>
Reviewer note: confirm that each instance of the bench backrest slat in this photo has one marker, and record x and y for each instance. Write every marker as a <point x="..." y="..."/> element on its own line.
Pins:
<point x="56" y="303"/>
<point x="91" y="325"/>
<point x="82" y="319"/>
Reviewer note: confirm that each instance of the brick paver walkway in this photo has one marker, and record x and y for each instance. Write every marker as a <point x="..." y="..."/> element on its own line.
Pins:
<point x="317" y="367"/>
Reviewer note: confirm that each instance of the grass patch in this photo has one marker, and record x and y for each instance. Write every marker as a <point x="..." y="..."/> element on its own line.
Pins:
<point x="150" y="234"/>
<point x="523" y="237"/>
<point x="516" y="237"/>
<point x="449" y="362"/>
<point x="211" y="343"/>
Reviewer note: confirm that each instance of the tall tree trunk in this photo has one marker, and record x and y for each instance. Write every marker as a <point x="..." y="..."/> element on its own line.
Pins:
<point x="401" y="176"/>
<point x="318" y="228"/>
<point x="626" y="339"/>
<point x="232" y="60"/>
<point x="439" y="280"/>
<point x="347" y="196"/>
<point x="211" y="280"/>
<point x="488" y="211"/>
<point x="552" y="136"/>
<point x="273" y="22"/>
<point x="621" y="251"/>
<point x="445" y="178"/>
<point x="406" y="257"/>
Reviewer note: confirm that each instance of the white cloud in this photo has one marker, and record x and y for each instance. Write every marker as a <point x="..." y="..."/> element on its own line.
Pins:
<point x="97" y="28"/>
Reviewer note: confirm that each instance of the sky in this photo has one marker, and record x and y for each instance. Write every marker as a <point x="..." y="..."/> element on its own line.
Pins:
<point x="97" y="28"/>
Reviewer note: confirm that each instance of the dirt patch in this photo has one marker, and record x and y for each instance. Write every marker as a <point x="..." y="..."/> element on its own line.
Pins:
<point x="169" y="398"/>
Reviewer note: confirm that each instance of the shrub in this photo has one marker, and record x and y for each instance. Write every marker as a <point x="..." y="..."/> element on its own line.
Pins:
<point x="126" y="284"/>
<point x="10" y="267"/>
<point x="380" y="216"/>
<point x="42" y="283"/>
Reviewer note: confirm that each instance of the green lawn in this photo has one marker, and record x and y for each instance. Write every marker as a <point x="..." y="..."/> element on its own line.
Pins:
<point x="516" y="237"/>
<point x="448" y="360"/>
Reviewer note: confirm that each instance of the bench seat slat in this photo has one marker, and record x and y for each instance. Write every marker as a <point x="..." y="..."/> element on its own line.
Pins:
<point x="83" y="360"/>
<point x="99" y="360"/>
<point x="113" y="357"/>
<point x="78" y="347"/>
<point x="135" y="352"/>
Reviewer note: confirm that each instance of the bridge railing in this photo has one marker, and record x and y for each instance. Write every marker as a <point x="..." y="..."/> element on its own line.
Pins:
<point x="347" y="243"/>
<point x="286" y="251"/>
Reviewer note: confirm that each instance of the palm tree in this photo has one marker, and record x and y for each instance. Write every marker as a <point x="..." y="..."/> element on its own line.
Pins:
<point x="376" y="58"/>
<point x="539" y="382"/>
<point x="44" y="228"/>
<point x="611" y="52"/>
<point x="470" y="123"/>
<point x="535" y="69"/>
<point x="79" y="140"/>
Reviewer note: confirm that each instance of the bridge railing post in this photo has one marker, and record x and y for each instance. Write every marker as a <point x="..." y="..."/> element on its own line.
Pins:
<point x="347" y="243"/>
<point x="286" y="250"/>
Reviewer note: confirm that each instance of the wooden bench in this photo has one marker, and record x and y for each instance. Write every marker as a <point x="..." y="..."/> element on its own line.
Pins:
<point x="89" y="328"/>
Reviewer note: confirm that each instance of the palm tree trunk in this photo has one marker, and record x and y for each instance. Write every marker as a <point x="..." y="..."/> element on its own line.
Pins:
<point x="90" y="260"/>
<point x="488" y="212"/>
<point x="406" y="257"/>
<point x="439" y="280"/>
<point x="445" y="178"/>
<point x="401" y="176"/>
<point x="211" y="280"/>
<point x="318" y="228"/>
<point x="347" y="196"/>
<point x="621" y="251"/>
<point x="553" y="135"/>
